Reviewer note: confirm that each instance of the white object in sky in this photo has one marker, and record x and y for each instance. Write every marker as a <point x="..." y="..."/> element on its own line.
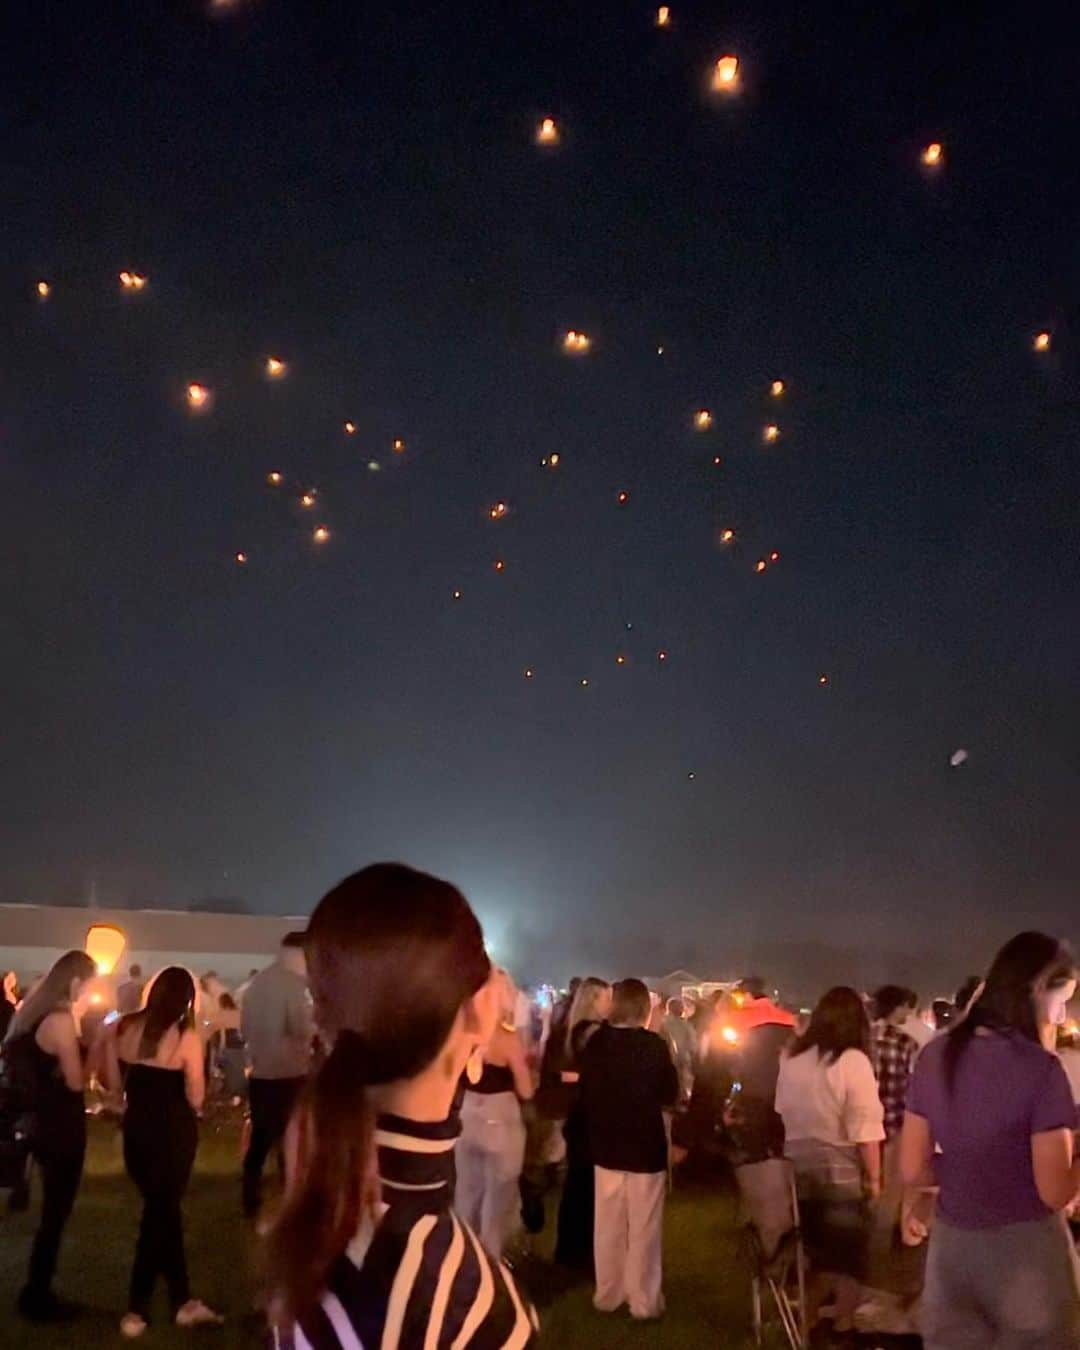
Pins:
<point x="957" y="758"/>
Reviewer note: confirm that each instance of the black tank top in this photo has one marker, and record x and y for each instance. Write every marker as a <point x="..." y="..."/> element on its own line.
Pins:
<point x="495" y="1078"/>
<point x="59" y="1113"/>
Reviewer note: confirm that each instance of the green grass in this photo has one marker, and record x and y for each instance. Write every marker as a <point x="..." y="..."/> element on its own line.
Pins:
<point x="705" y="1281"/>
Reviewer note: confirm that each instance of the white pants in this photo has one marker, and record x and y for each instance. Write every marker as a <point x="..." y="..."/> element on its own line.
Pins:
<point x="490" y="1154"/>
<point x="628" y="1241"/>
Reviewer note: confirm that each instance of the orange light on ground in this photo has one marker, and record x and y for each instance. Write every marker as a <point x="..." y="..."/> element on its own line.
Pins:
<point x="933" y="154"/>
<point x="241" y="558"/>
<point x="663" y="17"/>
<point x="547" y="133"/>
<point x="350" y="428"/>
<point x="274" y="478"/>
<point x="320" y="534"/>
<point x="770" y="433"/>
<point x="702" y="419"/>
<point x="760" y="565"/>
<point x="308" y="499"/>
<point x="43" y="289"/>
<point x="133" y="281"/>
<point x="198" y="397"/>
<point x="275" y="368"/>
<point x="776" y="388"/>
<point x="1042" y="342"/>
<point x="105" y="946"/>
<point x="575" y="343"/>
<point x="726" y="74"/>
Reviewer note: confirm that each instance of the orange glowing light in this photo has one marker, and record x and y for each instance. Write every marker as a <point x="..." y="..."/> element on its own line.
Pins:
<point x="105" y="945"/>
<point x="43" y="289"/>
<point x="774" y="556"/>
<point x="308" y="499"/>
<point x="726" y="536"/>
<point x="620" y="660"/>
<point x="770" y="433"/>
<point x="661" y="656"/>
<point x="551" y="461"/>
<point x="528" y="673"/>
<point x="702" y="419"/>
<point x="198" y="397"/>
<point x="584" y="684"/>
<point x="729" y="1035"/>
<point x="726" y="74"/>
<point x="320" y="534"/>
<point x="575" y="343"/>
<point x="274" y="478"/>
<point x="499" y="565"/>
<point x="760" y="565"/>
<point x="133" y="281"/>
<point x="663" y="17"/>
<point x="716" y="459"/>
<point x="1042" y="342"/>
<point x="547" y="133"/>
<point x="776" y="388"/>
<point x="823" y="680"/>
<point x="275" y="368"/>
<point x="623" y="498"/>
<point x="350" y="428"/>
<point x="933" y="154"/>
<point x="241" y="558"/>
<point x="399" y="446"/>
<point x="498" y="511"/>
<point x="455" y="595"/>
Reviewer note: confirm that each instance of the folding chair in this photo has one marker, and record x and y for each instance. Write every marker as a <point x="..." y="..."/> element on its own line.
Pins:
<point x="770" y="1209"/>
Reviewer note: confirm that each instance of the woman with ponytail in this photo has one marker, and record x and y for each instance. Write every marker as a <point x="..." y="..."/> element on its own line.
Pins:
<point x="366" y="1248"/>
<point x="991" y="1110"/>
<point x="155" y="1056"/>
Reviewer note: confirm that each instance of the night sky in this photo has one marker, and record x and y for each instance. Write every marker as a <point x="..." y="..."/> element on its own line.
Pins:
<point x="356" y="189"/>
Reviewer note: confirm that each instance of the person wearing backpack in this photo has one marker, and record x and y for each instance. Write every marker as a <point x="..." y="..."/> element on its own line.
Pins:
<point x="43" y="1056"/>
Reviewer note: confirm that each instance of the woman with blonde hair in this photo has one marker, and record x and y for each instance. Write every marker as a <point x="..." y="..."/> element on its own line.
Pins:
<point x="491" y="1150"/>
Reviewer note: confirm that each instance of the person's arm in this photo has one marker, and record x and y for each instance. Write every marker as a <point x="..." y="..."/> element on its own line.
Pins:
<point x="1057" y="1172"/>
<point x="191" y="1055"/>
<point x="57" y="1036"/>
<point x="916" y="1151"/>
<point x="516" y="1063"/>
<point x="110" y="1060"/>
<point x="864" y="1116"/>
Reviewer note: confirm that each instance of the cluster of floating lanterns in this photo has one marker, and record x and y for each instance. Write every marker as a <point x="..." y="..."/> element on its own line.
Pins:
<point x="575" y="343"/>
<point x="133" y="281"/>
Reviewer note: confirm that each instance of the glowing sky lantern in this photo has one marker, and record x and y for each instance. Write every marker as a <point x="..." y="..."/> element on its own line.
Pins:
<point x="770" y="433"/>
<point x="776" y="388"/>
<point x="275" y="478"/>
<point x="455" y="595"/>
<point x="584" y="683"/>
<point x="957" y="758"/>
<point x="726" y="536"/>
<point x="717" y="460"/>
<point x="133" y="281"/>
<point x="308" y="499"/>
<point x="551" y="461"/>
<point x="661" y="656"/>
<point x="320" y="534"/>
<point x="823" y="680"/>
<point x="726" y="74"/>
<point x="620" y="659"/>
<point x="104" y="945"/>
<point x="399" y="446"/>
<point x="547" y="133"/>
<point x="1042" y="342"/>
<point x="43" y="289"/>
<point x="663" y="17"/>
<point x="623" y="498"/>
<point x="350" y="428"/>
<point x="198" y="397"/>
<point x="499" y="511"/>
<point x="760" y="565"/>
<point x="241" y="558"/>
<point x="275" y="368"/>
<point x="933" y="154"/>
<point x="373" y="466"/>
<point x="575" y="343"/>
<point x="528" y="672"/>
<point x="702" y="419"/>
<point x="499" y="565"/>
<point x="774" y="556"/>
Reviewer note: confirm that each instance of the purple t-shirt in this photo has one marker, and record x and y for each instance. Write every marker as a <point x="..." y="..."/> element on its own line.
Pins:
<point x="1007" y="1088"/>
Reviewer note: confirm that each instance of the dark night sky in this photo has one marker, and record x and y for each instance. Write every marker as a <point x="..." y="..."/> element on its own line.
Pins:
<point x="355" y="188"/>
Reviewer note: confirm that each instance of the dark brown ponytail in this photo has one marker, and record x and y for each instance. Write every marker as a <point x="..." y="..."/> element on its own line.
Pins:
<point x="392" y="956"/>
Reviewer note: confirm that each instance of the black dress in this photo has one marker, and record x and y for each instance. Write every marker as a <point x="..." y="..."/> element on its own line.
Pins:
<point x="160" y="1138"/>
<point x="574" y="1240"/>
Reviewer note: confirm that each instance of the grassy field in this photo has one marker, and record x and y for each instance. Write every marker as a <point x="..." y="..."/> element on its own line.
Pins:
<point x="705" y="1282"/>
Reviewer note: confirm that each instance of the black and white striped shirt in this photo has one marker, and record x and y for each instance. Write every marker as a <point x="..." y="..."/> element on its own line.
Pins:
<point x="416" y="1277"/>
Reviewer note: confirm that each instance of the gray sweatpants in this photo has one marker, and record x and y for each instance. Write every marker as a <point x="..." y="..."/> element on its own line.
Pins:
<point x="1010" y="1288"/>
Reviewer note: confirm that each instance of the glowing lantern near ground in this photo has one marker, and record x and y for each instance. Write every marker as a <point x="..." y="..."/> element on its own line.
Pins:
<point x="776" y="388"/>
<point x="933" y="154"/>
<point x="43" y="289"/>
<point x="498" y="511"/>
<point x="350" y="428"/>
<point x="770" y="433"/>
<point x="575" y="343"/>
<point x="760" y="565"/>
<point x="132" y="281"/>
<point x="308" y="499"/>
<point x="241" y="558"/>
<point x="702" y="419"/>
<point x="274" y="478"/>
<point x="198" y="397"/>
<point x="1042" y="342"/>
<point x="726" y="74"/>
<point x="275" y="368"/>
<point x="547" y="133"/>
<point x="320" y="534"/>
<point x="663" y="17"/>
<point x="105" y="946"/>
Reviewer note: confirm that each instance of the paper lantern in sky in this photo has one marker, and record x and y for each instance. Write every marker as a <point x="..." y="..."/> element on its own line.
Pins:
<point x="241" y="558"/>
<point x="663" y="17"/>
<point x="275" y="368"/>
<point x="776" y="388"/>
<point x="498" y="511"/>
<point x="133" y="281"/>
<point x="727" y="535"/>
<point x="623" y="497"/>
<point x="760" y="565"/>
<point x="307" y="501"/>
<point x="702" y="419"/>
<point x="350" y="428"/>
<point x="399" y="446"/>
<point x="499" y="565"/>
<point x="726" y="74"/>
<point x="1042" y="342"/>
<point x="43" y="289"/>
<point x="105" y="945"/>
<point x="770" y="433"/>
<point x="575" y="343"/>
<point x="933" y="154"/>
<point x="547" y="133"/>
<point x="275" y="478"/>
<point x="958" y="757"/>
<point x="320" y="534"/>
<point x="199" y="397"/>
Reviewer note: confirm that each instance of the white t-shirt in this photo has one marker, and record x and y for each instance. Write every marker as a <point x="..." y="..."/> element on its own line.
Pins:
<point x="836" y="1103"/>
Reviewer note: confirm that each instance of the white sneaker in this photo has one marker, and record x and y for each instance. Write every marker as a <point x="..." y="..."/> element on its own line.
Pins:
<point x="195" y="1313"/>
<point x="132" y="1326"/>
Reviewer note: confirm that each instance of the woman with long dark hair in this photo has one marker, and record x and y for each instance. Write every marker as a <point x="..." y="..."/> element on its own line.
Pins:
<point x="828" y="1099"/>
<point x="155" y="1055"/>
<point x="990" y="1109"/>
<point x="43" y="1042"/>
<point x="366" y="1248"/>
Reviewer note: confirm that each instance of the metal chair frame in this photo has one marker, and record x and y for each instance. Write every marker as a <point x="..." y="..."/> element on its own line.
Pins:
<point x="782" y="1274"/>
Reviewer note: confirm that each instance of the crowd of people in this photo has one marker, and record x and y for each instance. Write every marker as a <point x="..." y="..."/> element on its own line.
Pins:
<point x="427" y="1119"/>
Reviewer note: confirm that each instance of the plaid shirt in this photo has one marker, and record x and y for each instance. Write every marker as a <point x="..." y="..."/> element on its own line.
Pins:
<point x="893" y="1055"/>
